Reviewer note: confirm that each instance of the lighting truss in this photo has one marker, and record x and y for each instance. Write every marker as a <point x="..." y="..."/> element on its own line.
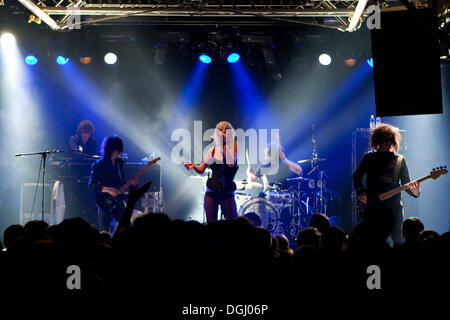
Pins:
<point x="348" y="14"/>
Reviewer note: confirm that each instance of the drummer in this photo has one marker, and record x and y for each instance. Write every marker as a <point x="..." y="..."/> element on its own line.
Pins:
<point x="286" y="167"/>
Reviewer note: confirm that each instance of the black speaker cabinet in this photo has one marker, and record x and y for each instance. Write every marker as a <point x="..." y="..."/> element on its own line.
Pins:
<point x="406" y="64"/>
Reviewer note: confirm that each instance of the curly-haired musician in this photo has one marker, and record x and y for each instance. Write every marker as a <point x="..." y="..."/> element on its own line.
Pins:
<point x="84" y="140"/>
<point x="385" y="169"/>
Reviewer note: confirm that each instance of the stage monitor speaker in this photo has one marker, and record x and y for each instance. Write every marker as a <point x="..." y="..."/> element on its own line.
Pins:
<point x="406" y="64"/>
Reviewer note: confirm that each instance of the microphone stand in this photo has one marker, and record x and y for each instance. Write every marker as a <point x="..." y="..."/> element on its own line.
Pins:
<point x="314" y="153"/>
<point x="44" y="157"/>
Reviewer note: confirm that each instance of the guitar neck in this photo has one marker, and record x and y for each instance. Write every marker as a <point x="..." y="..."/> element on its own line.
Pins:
<point x="393" y="192"/>
<point x="137" y="175"/>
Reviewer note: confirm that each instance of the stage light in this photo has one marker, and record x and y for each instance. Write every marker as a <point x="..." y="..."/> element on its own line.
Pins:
<point x="7" y="39"/>
<point x="233" y="57"/>
<point x="62" y="60"/>
<point x="85" y="60"/>
<point x="205" y="58"/>
<point x="324" y="59"/>
<point x="31" y="60"/>
<point x="370" y="62"/>
<point x="350" y="62"/>
<point x="110" y="58"/>
<point x="348" y="55"/>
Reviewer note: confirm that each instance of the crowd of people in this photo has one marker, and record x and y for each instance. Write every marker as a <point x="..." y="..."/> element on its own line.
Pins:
<point x="227" y="260"/>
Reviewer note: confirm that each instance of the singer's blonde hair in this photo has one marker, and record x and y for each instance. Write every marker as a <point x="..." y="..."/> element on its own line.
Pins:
<point x="225" y="126"/>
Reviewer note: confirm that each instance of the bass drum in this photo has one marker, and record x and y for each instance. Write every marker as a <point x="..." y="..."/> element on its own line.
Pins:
<point x="262" y="213"/>
<point x="240" y="199"/>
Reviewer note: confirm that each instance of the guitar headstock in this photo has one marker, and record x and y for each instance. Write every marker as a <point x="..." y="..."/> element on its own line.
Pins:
<point x="153" y="161"/>
<point x="438" y="171"/>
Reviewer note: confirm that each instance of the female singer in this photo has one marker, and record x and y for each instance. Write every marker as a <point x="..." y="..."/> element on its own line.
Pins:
<point x="222" y="159"/>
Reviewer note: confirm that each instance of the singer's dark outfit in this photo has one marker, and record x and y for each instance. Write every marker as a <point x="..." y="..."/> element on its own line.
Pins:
<point x="379" y="168"/>
<point x="104" y="174"/>
<point x="220" y="190"/>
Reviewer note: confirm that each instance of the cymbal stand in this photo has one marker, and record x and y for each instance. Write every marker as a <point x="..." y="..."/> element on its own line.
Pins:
<point x="321" y="205"/>
<point x="318" y="203"/>
<point x="297" y="210"/>
<point x="315" y="156"/>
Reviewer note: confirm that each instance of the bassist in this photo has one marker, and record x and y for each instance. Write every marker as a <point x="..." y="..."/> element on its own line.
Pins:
<point x="385" y="169"/>
<point x="107" y="175"/>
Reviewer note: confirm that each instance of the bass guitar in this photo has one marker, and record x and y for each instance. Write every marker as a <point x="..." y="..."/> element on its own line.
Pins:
<point x="434" y="174"/>
<point x="108" y="204"/>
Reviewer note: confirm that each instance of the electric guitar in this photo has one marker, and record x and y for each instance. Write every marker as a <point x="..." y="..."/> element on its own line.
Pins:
<point x="108" y="204"/>
<point x="434" y="174"/>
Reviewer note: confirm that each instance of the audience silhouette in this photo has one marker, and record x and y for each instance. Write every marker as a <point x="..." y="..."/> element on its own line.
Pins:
<point x="175" y="259"/>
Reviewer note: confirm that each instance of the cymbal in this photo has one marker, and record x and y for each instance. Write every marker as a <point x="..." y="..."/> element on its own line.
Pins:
<point x="297" y="178"/>
<point x="308" y="160"/>
<point x="244" y="184"/>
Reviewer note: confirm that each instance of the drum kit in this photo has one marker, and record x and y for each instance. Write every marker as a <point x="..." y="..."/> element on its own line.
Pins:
<point x="287" y="210"/>
<point x="287" y="207"/>
<point x="282" y="209"/>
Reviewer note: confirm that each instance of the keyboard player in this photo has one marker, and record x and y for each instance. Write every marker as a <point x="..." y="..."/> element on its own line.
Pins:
<point x="83" y="140"/>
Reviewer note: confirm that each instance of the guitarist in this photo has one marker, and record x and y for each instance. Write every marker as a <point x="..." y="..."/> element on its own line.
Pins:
<point x="385" y="169"/>
<point x="107" y="175"/>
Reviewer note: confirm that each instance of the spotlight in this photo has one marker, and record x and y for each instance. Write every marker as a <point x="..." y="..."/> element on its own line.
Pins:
<point x="85" y="60"/>
<point x="7" y="39"/>
<point x="324" y="59"/>
<point x="205" y="58"/>
<point x="62" y="60"/>
<point x="350" y="62"/>
<point x="348" y="55"/>
<point x="110" y="58"/>
<point x="233" y="57"/>
<point x="370" y="62"/>
<point x="31" y="60"/>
